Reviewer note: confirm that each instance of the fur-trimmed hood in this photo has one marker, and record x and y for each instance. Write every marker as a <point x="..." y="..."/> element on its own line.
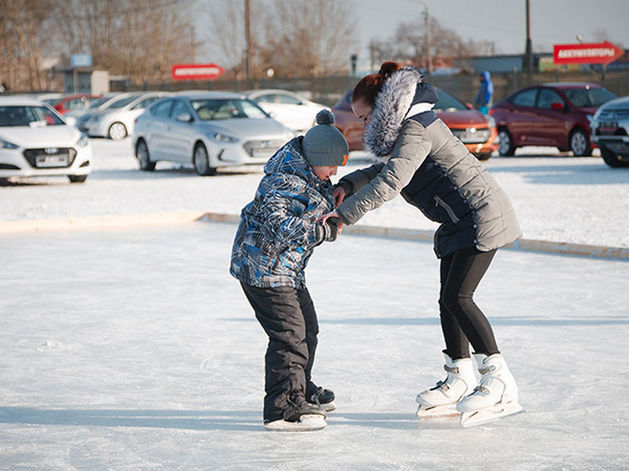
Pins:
<point x="402" y="90"/>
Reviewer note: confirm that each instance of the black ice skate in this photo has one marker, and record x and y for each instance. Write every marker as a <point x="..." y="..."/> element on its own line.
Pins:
<point x="307" y="418"/>
<point x="321" y="397"/>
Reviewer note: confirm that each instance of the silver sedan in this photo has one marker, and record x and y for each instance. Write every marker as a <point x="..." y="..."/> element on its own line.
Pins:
<point x="208" y="130"/>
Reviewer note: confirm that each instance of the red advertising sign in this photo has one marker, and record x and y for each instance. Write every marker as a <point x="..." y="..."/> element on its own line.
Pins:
<point x="593" y="53"/>
<point x="196" y="71"/>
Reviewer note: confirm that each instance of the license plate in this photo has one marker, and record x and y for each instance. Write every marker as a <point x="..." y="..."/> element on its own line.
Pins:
<point x="260" y="152"/>
<point x="59" y="160"/>
<point x="607" y="127"/>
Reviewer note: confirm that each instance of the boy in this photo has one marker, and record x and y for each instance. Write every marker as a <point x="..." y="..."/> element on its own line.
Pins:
<point x="277" y="234"/>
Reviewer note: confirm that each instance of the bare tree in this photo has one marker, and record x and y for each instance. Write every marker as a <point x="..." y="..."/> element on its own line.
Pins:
<point x="23" y="24"/>
<point x="408" y="44"/>
<point x="308" y="38"/>
<point x="225" y="34"/>
<point x="140" y="39"/>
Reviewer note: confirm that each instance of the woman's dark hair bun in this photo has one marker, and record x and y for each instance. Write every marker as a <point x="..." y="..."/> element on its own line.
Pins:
<point x="387" y="68"/>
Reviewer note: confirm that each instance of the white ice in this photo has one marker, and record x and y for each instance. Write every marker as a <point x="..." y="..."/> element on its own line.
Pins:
<point x="135" y="349"/>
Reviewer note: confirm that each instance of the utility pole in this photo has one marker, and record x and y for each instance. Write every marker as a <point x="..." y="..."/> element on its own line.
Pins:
<point x="248" y="40"/>
<point x="528" y="54"/>
<point x="427" y="36"/>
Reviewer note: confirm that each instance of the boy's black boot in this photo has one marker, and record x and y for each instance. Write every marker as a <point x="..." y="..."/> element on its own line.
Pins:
<point x="303" y="418"/>
<point x="320" y="396"/>
<point x="305" y="409"/>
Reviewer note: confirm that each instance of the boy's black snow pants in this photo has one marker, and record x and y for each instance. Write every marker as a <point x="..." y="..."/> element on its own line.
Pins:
<point x="462" y="321"/>
<point x="288" y="317"/>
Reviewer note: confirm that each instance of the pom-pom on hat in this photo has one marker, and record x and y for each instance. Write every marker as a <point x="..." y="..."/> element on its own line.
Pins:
<point x="324" y="145"/>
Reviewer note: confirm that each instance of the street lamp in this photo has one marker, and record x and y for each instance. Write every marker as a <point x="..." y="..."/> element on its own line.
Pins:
<point x="427" y="28"/>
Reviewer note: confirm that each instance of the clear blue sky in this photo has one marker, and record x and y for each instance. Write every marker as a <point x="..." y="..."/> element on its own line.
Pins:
<point x="501" y="21"/>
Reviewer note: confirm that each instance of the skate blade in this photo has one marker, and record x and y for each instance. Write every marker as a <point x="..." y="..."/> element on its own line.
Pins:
<point x="438" y="413"/>
<point x="306" y="423"/>
<point x="485" y="416"/>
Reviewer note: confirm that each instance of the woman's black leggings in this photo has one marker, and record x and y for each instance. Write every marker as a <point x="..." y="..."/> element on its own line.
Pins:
<point x="462" y="321"/>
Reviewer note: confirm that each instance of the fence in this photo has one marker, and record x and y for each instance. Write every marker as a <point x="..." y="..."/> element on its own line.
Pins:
<point x="328" y="90"/>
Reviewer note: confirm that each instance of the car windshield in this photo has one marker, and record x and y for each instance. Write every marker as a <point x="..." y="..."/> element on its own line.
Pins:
<point x="25" y="115"/>
<point x="345" y="103"/>
<point x="98" y="101"/>
<point x="123" y="102"/>
<point x="214" y="109"/>
<point x="52" y="101"/>
<point x="589" y="97"/>
<point x="447" y="102"/>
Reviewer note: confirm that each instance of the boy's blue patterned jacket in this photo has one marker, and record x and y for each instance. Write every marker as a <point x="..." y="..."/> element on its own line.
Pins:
<point x="277" y="231"/>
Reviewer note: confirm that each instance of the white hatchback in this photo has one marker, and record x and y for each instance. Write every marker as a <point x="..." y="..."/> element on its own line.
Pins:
<point x="36" y="141"/>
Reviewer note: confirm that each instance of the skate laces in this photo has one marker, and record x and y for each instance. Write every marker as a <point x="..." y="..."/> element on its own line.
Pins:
<point x="315" y="396"/>
<point x="443" y="384"/>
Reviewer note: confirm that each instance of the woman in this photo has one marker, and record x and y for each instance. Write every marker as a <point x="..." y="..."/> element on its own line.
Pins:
<point x="433" y="170"/>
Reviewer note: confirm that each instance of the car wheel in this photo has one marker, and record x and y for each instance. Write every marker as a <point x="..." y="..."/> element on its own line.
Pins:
<point x="143" y="156"/>
<point x="201" y="161"/>
<point x="580" y="143"/>
<point x="117" y="131"/>
<point x="611" y="158"/>
<point x="483" y="156"/>
<point x="505" y="145"/>
<point x="77" y="178"/>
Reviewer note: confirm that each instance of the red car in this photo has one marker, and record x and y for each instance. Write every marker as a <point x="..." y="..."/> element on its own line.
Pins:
<point x="74" y="103"/>
<point x="550" y="114"/>
<point x="474" y="129"/>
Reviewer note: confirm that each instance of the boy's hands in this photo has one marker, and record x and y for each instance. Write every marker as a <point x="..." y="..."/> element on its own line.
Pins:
<point x="331" y="228"/>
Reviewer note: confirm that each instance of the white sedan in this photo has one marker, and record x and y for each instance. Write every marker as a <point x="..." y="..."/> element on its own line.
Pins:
<point x="36" y="141"/>
<point x="208" y="130"/>
<point x="290" y="109"/>
<point x="117" y="121"/>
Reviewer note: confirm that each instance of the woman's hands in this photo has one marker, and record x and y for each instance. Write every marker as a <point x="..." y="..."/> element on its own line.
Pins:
<point x="339" y="195"/>
<point x="332" y="224"/>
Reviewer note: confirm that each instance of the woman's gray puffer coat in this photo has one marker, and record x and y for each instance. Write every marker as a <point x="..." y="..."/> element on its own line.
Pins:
<point x="432" y="170"/>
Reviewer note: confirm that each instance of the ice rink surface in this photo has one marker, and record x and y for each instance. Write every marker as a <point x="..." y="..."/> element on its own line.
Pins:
<point x="135" y="350"/>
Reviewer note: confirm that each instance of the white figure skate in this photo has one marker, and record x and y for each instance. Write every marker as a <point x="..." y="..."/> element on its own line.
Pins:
<point x="439" y="402"/>
<point x="496" y="396"/>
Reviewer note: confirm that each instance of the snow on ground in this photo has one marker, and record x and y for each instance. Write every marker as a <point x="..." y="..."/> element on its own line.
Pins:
<point x="557" y="197"/>
<point x="135" y="350"/>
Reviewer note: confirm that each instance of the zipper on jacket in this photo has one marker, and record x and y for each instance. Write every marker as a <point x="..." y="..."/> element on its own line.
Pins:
<point x="449" y="210"/>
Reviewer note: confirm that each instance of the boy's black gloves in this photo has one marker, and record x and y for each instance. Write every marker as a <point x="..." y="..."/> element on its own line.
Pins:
<point x="329" y="230"/>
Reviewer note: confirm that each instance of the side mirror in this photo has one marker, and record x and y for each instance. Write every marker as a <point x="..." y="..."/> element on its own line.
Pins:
<point x="556" y="106"/>
<point x="469" y="106"/>
<point x="184" y="118"/>
<point x="71" y="121"/>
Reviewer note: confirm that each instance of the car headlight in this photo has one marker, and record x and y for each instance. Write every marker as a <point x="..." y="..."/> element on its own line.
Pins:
<point x="224" y="138"/>
<point x="83" y="140"/>
<point x="491" y="121"/>
<point x="7" y="145"/>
